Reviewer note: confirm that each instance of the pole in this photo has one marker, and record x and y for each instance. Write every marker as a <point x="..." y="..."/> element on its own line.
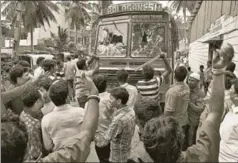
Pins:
<point x="0" y="27"/>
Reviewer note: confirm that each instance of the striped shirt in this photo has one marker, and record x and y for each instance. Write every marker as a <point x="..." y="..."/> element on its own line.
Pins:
<point x="150" y="89"/>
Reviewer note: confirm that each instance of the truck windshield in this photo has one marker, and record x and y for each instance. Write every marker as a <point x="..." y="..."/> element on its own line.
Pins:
<point x="147" y="38"/>
<point x="112" y="40"/>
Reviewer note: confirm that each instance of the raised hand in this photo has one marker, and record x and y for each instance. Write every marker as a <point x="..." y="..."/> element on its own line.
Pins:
<point x="89" y="85"/>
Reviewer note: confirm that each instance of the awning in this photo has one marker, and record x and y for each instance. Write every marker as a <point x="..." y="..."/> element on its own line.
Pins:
<point x="213" y="39"/>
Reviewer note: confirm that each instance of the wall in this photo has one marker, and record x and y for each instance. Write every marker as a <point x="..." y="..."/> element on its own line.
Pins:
<point x="209" y="13"/>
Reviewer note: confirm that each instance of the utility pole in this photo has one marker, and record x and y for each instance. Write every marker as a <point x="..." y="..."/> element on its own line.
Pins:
<point x="1" y="27"/>
<point x="17" y="32"/>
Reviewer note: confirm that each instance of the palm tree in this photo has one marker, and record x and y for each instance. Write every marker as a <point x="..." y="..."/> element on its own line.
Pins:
<point x="184" y="6"/>
<point x="61" y="39"/>
<point x="34" y="13"/>
<point x="76" y="13"/>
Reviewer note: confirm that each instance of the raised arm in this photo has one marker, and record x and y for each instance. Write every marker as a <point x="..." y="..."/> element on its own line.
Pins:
<point x="206" y="148"/>
<point x="168" y="68"/>
<point x="96" y="68"/>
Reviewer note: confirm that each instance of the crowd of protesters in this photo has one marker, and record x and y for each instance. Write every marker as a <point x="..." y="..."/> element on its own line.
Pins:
<point x="199" y="122"/>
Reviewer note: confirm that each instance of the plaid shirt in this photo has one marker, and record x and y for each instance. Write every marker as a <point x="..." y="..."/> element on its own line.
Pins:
<point x="34" y="144"/>
<point x="119" y="134"/>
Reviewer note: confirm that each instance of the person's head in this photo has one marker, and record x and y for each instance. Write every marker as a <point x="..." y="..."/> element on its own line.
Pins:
<point x="24" y="64"/>
<point x="227" y="50"/>
<point x="146" y="109"/>
<point x="180" y="73"/>
<point x="193" y="80"/>
<point x="122" y="76"/>
<point x="33" y="102"/>
<point x="231" y="67"/>
<point x="201" y="68"/>
<point x="81" y="64"/>
<point x="19" y="75"/>
<point x="45" y="84"/>
<point x="13" y="138"/>
<point x="59" y="93"/>
<point x="228" y="81"/>
<point x="49" y="65"/>
<point x="39" y="61"/>
<point x="189" y="69"/>
<point x="163" y="139"/>
<point x="100" y="82"/>
<point x="209" y="64"/>
<point x="118" y="97"/>
<point x="234" y="92"/>
<point x="148" y="72"/>
<point x="68" y="58"/>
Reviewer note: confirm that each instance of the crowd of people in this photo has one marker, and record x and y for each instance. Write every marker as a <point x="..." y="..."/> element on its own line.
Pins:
<point x="199" y="122"/>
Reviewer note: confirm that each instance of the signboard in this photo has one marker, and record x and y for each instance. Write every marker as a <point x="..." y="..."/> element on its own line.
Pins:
<point x="135" y="6"/>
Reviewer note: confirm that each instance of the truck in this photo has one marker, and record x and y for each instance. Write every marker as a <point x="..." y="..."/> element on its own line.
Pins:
<point x="131" y="34"/>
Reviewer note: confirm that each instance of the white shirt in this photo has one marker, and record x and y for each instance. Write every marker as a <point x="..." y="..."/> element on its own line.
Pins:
<point x="38" y="71"/>
<point x="61" y="126"/>
<point x="133" y="94"/>
<point x="47" y="108"/>
<point x="229" y="137"/>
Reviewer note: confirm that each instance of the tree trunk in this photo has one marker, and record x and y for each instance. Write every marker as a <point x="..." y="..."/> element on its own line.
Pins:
<point x="32" y="43"/>
<point x="17" y="32"/>
<point x="185" y="23"/>
<point x="76" y="36"/>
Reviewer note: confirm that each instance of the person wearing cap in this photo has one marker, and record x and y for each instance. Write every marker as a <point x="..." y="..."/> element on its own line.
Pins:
<point x="195" y="107"/>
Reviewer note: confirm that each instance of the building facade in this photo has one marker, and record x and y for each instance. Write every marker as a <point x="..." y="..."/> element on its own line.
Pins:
<point x="212" y="23"/>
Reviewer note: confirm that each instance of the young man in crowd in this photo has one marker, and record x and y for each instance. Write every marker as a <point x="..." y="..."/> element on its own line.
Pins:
<point x="62" y="125"/>
<point x="39" y="70"/>
<point x="69" y="71"/>
<point x="163" y="136"/>
<point x="145" y="110"/>
<point x="208" y="76"/>
<point x="202" y="76"/>
<point x="195" y="106"/>
<point x="19" y="76"/>
<point x="81" y="93"/>
<point x="44" y="85"/>
<point x="105" y="117"/>
<point x="177" y="100"/>
<point x="189" y="73"/>
<point x="30" y="117"/>
<point x="49" y="68"/>
<point x="121" y="130"/>
<point x="13" y="138"/>
<point x="122" y="76"/>
<point x="149" y="86"/>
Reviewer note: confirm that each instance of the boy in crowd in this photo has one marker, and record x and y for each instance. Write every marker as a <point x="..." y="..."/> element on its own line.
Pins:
<point x="81" y="93"/>
<point x="149" y="86"/>
<point x="69" y="71"/>
<point x="30" y="117"/>
<point x="105" y="117"/>
<point x="19" y="76"/>
<point x="39" y="70"/>
<point x="121" y="130"/>
<point x="63" y="124"/>
<point x="177" y="100"/>
<point x="195" y="106"/>
<point x="122" y="76"/>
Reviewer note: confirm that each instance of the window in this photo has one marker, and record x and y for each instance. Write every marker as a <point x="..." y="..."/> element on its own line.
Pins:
<point x="147" y="39"/>
<point x="112" y="40"/>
